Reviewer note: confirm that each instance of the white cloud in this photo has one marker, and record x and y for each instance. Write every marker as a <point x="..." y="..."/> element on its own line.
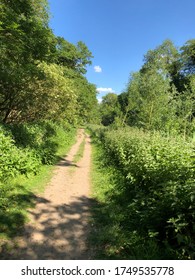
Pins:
<point x="101" y="89"/>
<point x="97" y="69"/>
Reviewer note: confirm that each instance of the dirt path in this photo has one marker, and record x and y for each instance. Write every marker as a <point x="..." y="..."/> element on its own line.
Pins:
<point x="58" y="226"/>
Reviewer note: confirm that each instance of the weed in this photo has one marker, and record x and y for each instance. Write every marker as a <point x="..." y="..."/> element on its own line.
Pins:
<point x="147" y="196"/>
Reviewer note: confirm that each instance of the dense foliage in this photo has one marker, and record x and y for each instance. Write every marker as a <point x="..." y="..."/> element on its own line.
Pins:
<point x="13" y="160"/>
<point x="152" y="196"/>
<point x="152" y="163"/>
<point x="25" y="147"/>
<point x="42" y="75"/>
<point x="160" y="96"/>
<point x="25" y="151"/>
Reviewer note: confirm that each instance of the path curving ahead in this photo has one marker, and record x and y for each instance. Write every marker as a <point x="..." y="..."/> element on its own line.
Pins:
<point x="58" y="226"/>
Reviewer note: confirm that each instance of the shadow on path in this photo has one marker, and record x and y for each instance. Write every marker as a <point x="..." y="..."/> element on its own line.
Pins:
<point x="61" y="233"/>
<point x="65" y="162"/>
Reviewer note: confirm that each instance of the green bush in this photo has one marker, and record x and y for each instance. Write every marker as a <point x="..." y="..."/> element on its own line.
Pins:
<point x="24" y="147"/>
<point x="13" y="160"/>
<point x="156" y="196"/>
<point x="150" y="158"/>
<point x="45" y="139"/>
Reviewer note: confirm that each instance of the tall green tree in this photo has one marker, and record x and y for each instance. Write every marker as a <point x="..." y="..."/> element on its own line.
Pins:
<point x="25" y="40"/>
<point x="109" y="109"/>
<point x="165" y="59"/>
<point x="188" y="57"/>
<point x="73" y="56"/>
<point x="161" y="95"/>
<point x="149" y="100"/>
<point x="42" y="76"/>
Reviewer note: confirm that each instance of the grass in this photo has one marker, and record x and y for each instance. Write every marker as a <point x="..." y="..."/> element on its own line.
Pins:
<point x="17" y="196"/>
<point x="105" y="236"/>
<point x="64" y="148"/>
<point x="77" y="156"/>
<point x="111" y="236"/>
<point x="80" y="152"/>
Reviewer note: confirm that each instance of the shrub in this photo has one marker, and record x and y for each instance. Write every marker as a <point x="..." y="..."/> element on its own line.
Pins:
<point x="24" y="147"/>
<point x="45" y="139"/>
<point x="13" y="160"/>
<point x="156" y="197"/>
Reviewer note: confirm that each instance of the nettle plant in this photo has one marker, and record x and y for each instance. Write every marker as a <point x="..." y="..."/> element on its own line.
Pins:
<point x="158" y="190"/>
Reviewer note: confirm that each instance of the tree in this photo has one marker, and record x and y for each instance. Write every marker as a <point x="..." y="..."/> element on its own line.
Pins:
<point x="87" y="101"/>
<point x="84" y="57"/>
<point x="161" y="95"/>
<point x="41" y="74"/>
<point x="149" y="101"/>
<point x="155" y="101"/>
<point x="109" y="108"/>
<point x="25" y="40"/>
<point x="186" y="109"/>
<point x="130" y="100"/>
<point x="165" y="59"/>
<point x="188" y="57"/>
<point x="75" y="57"/>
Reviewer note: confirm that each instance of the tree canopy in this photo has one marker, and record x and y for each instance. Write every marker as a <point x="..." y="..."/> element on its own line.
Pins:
<point x="161" y="95"/>
<point x="41" y="74"/>
<point x="43" y="77"/>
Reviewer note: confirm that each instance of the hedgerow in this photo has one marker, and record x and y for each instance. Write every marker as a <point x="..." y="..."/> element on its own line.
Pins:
<point x="156" y="196"/>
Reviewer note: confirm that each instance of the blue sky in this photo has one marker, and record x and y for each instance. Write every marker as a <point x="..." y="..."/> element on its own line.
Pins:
<point x="120" y="32"/>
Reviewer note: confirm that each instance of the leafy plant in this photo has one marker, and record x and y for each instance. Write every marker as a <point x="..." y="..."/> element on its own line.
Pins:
<point x="153" y="192"/>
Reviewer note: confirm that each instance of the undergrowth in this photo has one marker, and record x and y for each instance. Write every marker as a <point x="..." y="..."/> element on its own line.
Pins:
<point x="144" y="187"/>
<point x="28" y="153"/>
